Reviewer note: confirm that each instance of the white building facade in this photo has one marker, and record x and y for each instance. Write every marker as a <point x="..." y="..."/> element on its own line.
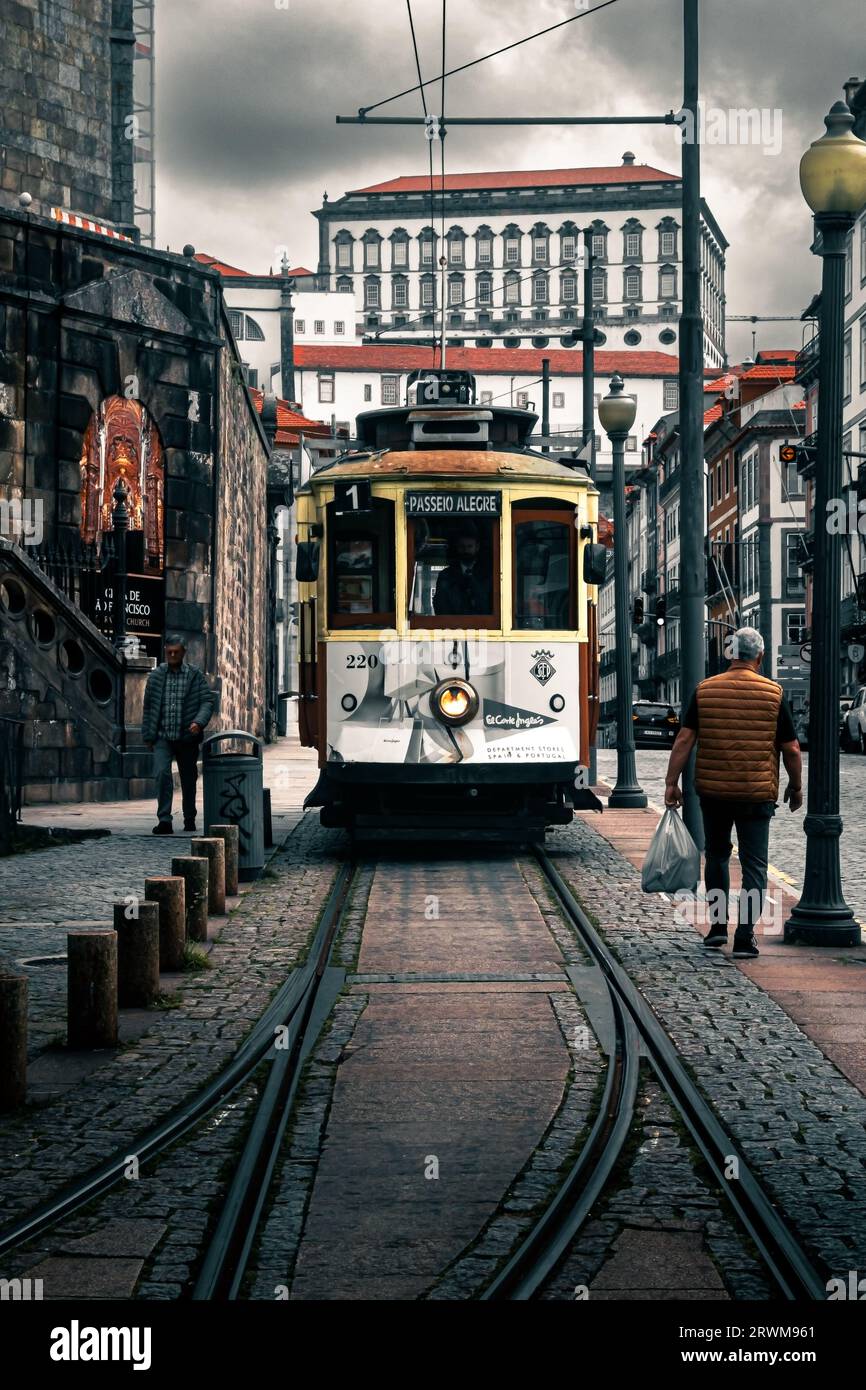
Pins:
<point x="503" y="251"/>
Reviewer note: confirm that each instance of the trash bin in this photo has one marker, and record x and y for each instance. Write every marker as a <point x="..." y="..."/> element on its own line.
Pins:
<point x="233" y="796"/>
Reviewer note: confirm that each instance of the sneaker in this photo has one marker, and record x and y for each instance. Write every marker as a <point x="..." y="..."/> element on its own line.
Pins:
<point x="163" y="827"/>
<point x="716" y="937"/>
<point x="745" y="947"/>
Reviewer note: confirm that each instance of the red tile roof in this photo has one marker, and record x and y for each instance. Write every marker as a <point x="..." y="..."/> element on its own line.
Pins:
<point x="513" y="361"/>
<point x="710" y="416"/>
<point x="231" y="272"/>
<point x="525" y="178"/>
<point x="776" y="372"/>
<point x="777" y="355"/>
<point x="290" y="424"/>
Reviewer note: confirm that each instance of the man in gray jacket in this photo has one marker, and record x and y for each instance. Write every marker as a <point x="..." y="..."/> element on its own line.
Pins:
<point x="178" y="705"/>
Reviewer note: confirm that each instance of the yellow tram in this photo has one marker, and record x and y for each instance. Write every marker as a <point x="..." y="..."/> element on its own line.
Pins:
<point x="447" y="645"/>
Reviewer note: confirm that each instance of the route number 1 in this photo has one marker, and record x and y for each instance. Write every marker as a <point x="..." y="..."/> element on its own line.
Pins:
<point x="352" y="497"/>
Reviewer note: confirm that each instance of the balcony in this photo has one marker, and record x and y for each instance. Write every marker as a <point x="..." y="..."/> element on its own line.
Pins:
<point x="806" y="361"/>
<point x="668" y="664"/>
<point x="673" y="597"/>
<point x="608" y="660"/>
<point x="806" y="464"/>
<point x="806" y="553"/>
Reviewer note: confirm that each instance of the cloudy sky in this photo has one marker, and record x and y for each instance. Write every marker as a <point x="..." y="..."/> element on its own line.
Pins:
<point x="247" y="92"/>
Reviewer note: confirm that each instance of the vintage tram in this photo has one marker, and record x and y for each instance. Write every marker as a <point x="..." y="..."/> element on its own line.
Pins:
<point x="447" y="645"/>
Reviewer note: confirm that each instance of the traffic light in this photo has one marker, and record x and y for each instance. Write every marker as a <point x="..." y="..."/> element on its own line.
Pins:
<point x="637" y="612"/>
<point x="661" y="609"/>
<point x="788" y="453"/>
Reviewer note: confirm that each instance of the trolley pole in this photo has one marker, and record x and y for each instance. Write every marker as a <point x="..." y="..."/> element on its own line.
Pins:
<point x="692" y="575"/>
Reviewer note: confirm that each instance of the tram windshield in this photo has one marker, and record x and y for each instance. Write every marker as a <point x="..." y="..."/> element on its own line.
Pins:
<point x="452" y="568"/>
<point x="544" y="583"/>
<point x="361" y="567"/>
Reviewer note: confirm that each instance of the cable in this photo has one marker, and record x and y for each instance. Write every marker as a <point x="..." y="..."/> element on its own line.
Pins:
<point x="429" y="141"/>
<point x="466" y="303"/>
<point x="442" y="256"/>
<point x="364" y="110"/>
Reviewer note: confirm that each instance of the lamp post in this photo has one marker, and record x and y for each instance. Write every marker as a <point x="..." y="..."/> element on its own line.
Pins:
<point x="616" y="413"/>
<point x="120" y="526"/>
<point x="833" y="180"/>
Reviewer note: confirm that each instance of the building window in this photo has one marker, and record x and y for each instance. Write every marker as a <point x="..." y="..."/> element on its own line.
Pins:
<point x="539" y="248"/>
<point x="667" y="244"/>
<point x="794" y="581"/>
<point x="559" y="400"/>
<point x="671" y="395"/>
<point x="795" y="622"/>
<point x="568" y="248"/>
<point x="512" y="290"/>
<point x="344" y="254"/>
<point x="372" y="295"/>
<point x="400" y="294"/>
<point x="710" y="488"/>
<point x="486" y="397"/>
<point x="599" y="245"/>
<point x="400" y="253"/>
<point x="484" y="253"/>
<point x="371" y="255"/>
<point x="539" y="289"/>
<point x="455" y="291"/>
<point x="792" y="483"/>
<point x="390" y="390"/>
<point x="236" y="321"/>
<point x="300" y="326"/>
<point x="631" y="284"/>
<point x="427" y="249"/>
<point x="632" y="246"/>
<point x="568" y="288"/>
<point x="849" y="263"/>
<point x="521" y="399"/>
<point x="253" y="330"/>
<point x="428" y="292"/>
<point x="339" y="327"/>
<point x="598" y="284"/>
<point x="344" y="284"/>
<point x="318" y="326"/>
<point x="251" y="374"/>
<point x="326" y="388"/>
<point x="484" y="291"/>
<point x="846" y="365"/>
<point x="368" y="392"/>
<point x="455" y="251"/>
<point x="667" y="282"/>
<point x="512" y="250"/>
<point x="631" y="443"/>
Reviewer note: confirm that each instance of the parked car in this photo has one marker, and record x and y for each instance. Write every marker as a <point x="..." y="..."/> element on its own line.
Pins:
<point x="655" y="725"/>
<point x="855" y="723"/>
<point x="845" y="703"/>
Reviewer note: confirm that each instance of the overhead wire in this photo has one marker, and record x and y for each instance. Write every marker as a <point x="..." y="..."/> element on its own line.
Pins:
<point x="426" y="131"/>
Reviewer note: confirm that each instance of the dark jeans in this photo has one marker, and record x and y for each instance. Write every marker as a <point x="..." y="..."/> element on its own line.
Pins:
<point x="752" y="821"/>
<point x="185" y="754"/>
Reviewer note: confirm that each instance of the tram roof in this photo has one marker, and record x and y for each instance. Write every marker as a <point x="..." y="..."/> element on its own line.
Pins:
<point x="396" y="464"/>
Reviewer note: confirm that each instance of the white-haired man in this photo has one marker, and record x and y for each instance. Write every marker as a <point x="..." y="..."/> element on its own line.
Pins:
<point x="741" y="723"/>
<point x="178" y="704"/>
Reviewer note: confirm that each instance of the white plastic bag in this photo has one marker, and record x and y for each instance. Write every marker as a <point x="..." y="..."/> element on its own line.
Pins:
<point x="673" y="860"/>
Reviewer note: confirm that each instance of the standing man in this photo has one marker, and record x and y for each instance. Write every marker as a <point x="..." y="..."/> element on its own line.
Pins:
<point x="741" y="723"/>
<point x="178" y="704"/>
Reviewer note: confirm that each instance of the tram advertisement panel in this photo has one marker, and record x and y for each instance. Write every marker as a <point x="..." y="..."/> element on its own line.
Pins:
<point x="379" y="707"/>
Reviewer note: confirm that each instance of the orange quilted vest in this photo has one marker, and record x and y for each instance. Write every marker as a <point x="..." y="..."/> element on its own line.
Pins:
<point x="737" y="757"/>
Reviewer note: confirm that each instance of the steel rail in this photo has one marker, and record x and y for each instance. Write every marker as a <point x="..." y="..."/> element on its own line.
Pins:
<point x="791" y="1267"/>
<point x="287" y="1001"/>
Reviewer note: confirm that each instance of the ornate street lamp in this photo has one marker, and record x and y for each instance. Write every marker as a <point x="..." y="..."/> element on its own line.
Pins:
<point x="616" y="413"/>
<point x="833" y="180"/>
<point x="120" y="527"/>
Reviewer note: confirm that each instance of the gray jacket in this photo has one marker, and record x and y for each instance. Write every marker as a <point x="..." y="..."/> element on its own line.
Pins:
<point x="198" y="702"/>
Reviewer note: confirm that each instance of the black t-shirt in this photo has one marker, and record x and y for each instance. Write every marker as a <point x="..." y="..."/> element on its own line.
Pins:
<point x="785" y="731"/>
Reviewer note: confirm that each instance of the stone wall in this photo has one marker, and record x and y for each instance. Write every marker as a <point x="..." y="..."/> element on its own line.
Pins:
<point x="65" y="94"/>
<point x="83" y="317"/>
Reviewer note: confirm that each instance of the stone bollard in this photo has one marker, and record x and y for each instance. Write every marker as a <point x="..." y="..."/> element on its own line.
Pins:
<point x="214" y="851"/>
<point x="231" y="835"/>
<point x="194" y="871"/>
<point x="13" y="1041"/>
<point x="169" y="895"/>
<point x="137" y="955"/>
<point x="91" y="1010"/>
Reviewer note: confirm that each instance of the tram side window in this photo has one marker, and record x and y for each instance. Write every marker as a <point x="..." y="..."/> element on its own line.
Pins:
<point x="545" y="581"/>
<point x="453" y="569"/>
<point x="361" y="567"/>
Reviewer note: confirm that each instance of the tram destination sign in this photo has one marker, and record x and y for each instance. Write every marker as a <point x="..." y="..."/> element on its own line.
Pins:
<point x="462" y="503"/>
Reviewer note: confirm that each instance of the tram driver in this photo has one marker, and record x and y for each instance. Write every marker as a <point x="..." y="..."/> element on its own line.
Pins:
<point x="464" y="586"/>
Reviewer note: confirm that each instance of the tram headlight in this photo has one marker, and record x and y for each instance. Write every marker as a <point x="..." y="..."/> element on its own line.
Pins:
<point x="454" y="702"/>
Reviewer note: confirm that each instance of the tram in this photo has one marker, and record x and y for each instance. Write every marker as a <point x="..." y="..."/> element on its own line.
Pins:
<point x="447" y="577"/>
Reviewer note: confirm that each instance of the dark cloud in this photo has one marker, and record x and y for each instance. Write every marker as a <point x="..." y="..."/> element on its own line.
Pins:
<point x="248" y="91"/>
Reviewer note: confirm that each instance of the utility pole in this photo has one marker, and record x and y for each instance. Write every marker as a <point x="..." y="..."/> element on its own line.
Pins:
<point x="588" y="340"/>
<point x="545" y="403"/>
<point x="691" y="407"/>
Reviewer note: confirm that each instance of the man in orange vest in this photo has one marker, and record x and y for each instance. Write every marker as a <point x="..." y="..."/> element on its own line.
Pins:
<point x="741" y="723"/>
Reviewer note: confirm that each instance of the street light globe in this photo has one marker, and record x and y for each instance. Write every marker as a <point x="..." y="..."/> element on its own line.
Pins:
<point x="617" y="410"/>
<point x="833" y="169"/>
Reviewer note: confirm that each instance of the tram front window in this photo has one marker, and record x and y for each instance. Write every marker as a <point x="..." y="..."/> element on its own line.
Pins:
<point x="543" y="570"/>
<point x="453" y="569"/>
